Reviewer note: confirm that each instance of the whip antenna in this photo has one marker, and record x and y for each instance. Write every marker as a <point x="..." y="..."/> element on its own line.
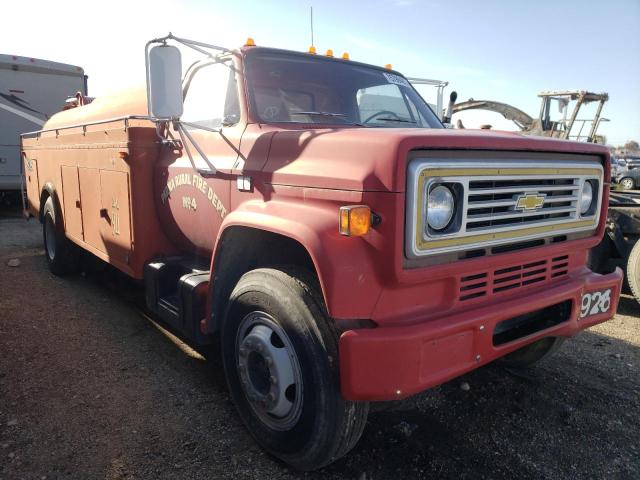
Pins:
<point x="312" y="26"/>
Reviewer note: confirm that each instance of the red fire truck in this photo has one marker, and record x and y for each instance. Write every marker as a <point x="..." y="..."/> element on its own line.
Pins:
<point x="312" y="215"/>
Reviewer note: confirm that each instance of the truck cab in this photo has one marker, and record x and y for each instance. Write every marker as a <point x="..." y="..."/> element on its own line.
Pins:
<point x="312" y="215"/>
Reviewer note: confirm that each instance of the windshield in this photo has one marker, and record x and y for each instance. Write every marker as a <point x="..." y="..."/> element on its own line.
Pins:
<point x="311" y="89"/>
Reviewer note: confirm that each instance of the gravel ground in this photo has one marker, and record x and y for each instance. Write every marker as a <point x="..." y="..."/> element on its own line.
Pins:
<point x="91" y="388"/>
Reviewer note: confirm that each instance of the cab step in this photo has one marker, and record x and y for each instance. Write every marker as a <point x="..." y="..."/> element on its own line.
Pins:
<point x="176" y="291"/>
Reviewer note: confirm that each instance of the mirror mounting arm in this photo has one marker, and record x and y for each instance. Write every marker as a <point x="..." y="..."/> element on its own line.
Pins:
<point x="183" y="132"/>
<point x="190" y="43"/>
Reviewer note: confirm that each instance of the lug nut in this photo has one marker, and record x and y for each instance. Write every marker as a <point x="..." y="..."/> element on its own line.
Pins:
<point x="271" y="397"/>
<point x="273" y="380"/>
<point x="259" y="348"/>
<point x="269" y="361"/>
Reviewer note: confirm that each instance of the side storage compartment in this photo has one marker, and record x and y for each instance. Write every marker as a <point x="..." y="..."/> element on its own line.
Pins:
<point x="71" y="203"/>
<point x="115" y="214"/>
<point x="106" y="211"/>
<point x="103" y="177"/>
<point x="91" y="203"/>
<point x="32" y="184"/>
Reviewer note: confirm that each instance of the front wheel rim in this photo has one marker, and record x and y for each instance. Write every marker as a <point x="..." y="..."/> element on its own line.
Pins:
<point x="627" y="183"/>
<point x="50" y="237"/>
<point x="269" y="371"/>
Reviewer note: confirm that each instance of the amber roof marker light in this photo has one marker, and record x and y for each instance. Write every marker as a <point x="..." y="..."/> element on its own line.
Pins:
<point x="250" y="42"/>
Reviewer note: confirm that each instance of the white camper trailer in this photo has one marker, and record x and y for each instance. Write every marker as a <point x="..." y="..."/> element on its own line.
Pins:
<point x="31" y="90"/>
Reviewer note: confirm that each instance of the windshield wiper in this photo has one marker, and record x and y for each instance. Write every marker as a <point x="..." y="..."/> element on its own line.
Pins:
<point x="323" y="114"/>
<point x="401" y="120"/>
<point x="330" y="115"/>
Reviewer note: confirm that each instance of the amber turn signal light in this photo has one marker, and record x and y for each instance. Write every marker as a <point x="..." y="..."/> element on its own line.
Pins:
<point x="355" y="220"/>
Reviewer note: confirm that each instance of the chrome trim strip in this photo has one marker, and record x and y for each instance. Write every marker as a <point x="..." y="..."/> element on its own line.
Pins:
<point x="126" y="118"/>
<point x="419" y="243"/>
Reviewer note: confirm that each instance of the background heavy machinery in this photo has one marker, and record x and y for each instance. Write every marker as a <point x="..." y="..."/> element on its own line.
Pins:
<point x="545" y="124"/>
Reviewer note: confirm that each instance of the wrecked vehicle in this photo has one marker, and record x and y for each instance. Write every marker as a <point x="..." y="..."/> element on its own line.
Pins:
<point x="544" y="125"/>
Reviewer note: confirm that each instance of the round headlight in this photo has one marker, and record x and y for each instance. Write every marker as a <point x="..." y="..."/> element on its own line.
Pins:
<point x="440" y="207"/>
<point x="586" y="197"/>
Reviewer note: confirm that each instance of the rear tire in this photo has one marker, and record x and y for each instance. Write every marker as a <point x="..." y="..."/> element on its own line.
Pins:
<point x="627" y="183"/>
<point x="280" y="354"/>
<point x="531" y="354"/>
<point x="632" y="272"/>
<point x="62" y="255"/>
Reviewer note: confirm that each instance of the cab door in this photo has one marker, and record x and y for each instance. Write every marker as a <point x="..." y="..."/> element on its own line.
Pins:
<point x="195" y="193"/>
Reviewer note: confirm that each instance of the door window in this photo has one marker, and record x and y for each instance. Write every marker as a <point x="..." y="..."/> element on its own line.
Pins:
<point x="212" y="97"/>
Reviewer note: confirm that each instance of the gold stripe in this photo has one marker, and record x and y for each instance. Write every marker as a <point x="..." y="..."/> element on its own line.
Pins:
<point x="429" y="244"/>
<point x="444" y="172"/>
<point x="515" y="234"/>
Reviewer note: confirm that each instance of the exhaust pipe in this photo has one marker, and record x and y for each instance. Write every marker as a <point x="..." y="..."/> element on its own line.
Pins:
<point x="449" y="112"/>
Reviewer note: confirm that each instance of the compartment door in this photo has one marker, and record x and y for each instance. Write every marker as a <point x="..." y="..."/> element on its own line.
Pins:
<point x="31" y="179"/>
<point x="116" y="221"/>
<point x="71" y="200"/>
<point x="90" y="206"/>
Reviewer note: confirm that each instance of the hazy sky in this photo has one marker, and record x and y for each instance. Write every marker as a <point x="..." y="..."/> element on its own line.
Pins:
<point x="498" y="50"/>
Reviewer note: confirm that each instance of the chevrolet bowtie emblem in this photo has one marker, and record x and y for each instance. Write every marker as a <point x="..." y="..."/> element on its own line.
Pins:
<point x="529" y="201"/>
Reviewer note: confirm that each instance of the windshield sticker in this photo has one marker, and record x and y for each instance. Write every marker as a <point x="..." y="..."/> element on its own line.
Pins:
<point x="395" y="79"/>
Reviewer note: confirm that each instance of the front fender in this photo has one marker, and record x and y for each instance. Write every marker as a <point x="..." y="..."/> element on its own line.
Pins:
<point x="344" y="265"/>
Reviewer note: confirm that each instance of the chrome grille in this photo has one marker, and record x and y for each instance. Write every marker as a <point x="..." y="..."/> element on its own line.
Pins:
<point x="491" y="204"/>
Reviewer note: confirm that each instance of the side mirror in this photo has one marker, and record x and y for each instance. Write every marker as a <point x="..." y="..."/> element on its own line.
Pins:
<point x="164" y="82"/>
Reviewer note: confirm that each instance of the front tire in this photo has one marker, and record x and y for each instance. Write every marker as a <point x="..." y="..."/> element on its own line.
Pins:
<point x="62" y="255"/>
<point x="280" y="354"/>
<point x="632" y="271"/>
<point x="627" y="183"/>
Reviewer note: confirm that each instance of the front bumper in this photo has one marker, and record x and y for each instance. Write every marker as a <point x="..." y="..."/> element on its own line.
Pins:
<point x="388" y="363"/>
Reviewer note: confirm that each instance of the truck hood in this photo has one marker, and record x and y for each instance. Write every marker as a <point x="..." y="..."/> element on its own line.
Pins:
<point x="374" y="159"/>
